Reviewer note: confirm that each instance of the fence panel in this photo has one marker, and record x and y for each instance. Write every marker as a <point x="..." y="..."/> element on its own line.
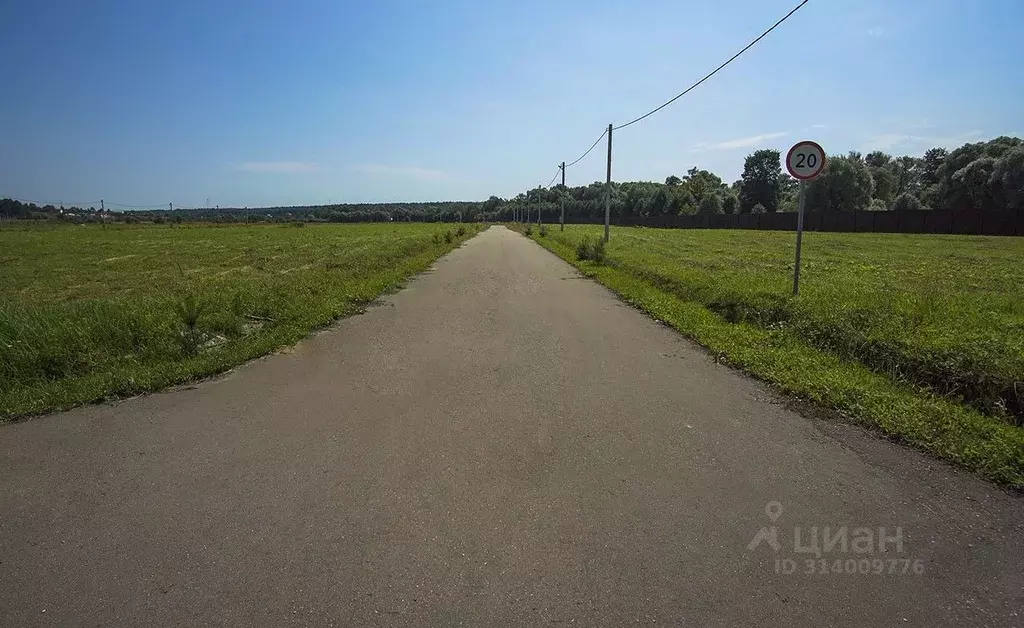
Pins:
<point x="966" y="221"/>
<point x="886" y="222"/>
<point x="746" y="221"/>
<point x="938" y="222"/>
<point x="721" y="221"/>
<point x="998" y="222"/>
<point x="812" y="221"/>
<point x="864" y="221"/>
<point x="829" y="221"/>
<point x="846" y="221"/>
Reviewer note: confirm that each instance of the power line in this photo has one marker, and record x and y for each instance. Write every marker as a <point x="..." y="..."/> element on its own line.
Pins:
<point x="45" y="203"/>
<point x="557" y="172"/>
<point x="715" y="71"/>
<point x="603" y="133"/>
<point x="137" y="206"/>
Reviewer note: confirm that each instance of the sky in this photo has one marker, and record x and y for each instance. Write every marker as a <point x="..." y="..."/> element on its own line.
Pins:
<point x="301" y="102"/>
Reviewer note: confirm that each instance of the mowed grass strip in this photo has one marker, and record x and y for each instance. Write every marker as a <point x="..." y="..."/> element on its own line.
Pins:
<point x="877" y="317"/>
<point x="89" y="313"/>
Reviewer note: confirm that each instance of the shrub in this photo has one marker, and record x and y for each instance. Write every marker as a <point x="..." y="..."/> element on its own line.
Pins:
<point x="461" y="231"/>
<point x="591" y="249"/>
<point x="436" y="238"/>
<point x="189" y="310"/>
<point x="543" y="231"/>
<point x="528" y="231"/>
<point x="448" y="237"/>
<point x="758" y="209"/>
<point x="877" y="205"/>
<point x="906" y="202"/>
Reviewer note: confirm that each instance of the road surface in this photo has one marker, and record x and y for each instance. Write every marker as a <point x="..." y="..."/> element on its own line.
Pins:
<point x="500" y="443"/>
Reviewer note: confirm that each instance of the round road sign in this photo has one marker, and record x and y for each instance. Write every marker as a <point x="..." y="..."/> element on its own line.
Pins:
<point x="805" y="160"/>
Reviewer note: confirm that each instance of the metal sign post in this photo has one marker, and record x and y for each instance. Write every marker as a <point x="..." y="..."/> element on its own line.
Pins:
<point x="799" y="240"/>
<point x="804" y="161"/>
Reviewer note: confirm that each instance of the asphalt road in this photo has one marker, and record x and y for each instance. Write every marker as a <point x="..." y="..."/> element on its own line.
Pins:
<point x="500" y="443"/>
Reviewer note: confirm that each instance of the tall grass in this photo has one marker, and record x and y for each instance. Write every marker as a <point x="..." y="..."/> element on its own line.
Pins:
<point x="920" y="335"/>
<point x="88" y="313"/>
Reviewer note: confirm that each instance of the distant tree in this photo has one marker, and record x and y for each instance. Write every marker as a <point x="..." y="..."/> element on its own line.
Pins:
<point x="711" y="204"/>
<point x="973" y="181"/>
<point x="700" y="183"/>
<point x="885" y="183"/>
<point x="730" y="202"/>
<point x="1007" y="179"/>
<point x="906" y="174"/>
<point x="878" y="205"/>
<point x="761" y="181"/>
<point x="659" y="204"/>
<point x="932" y="162"/>
<point x="906" y="202"/>
<point x="673" y="180"/>
<point x="877" y="159"/>
<point x="844" y="185"/>
<point x="758" y="209"/>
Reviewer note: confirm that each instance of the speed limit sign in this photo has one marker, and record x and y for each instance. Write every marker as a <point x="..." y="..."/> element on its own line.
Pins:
<point x="805" y="160"/>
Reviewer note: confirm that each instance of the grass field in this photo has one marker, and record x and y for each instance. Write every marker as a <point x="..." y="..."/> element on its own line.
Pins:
<point x="89" y="313"/>
<point x="920" y="336"/>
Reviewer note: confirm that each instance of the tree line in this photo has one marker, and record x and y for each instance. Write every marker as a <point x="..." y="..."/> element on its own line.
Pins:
<point x="977" y="176"/>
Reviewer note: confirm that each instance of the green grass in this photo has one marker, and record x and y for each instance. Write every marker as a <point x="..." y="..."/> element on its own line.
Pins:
<point x="919" y="336"/>
<point x="89" y="313"/>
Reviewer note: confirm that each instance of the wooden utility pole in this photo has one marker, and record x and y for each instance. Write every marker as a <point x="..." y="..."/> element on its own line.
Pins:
<point x="608" y="188"/>
<point x="562" y="197"/>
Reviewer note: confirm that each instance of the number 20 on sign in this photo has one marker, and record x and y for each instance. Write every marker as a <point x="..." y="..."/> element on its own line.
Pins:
<point x="804" y="161"/>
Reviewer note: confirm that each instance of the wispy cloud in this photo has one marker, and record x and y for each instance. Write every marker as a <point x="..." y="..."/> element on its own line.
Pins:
<point x="892" y="141"/>
<point x="405" y="172"/>
<point x="876" y="32"/>
<point x="276" y="166"/>
<point x="743" y="142"/>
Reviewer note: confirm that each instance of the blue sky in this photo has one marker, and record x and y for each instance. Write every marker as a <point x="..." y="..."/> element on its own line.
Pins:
<point x="259" y="103"/>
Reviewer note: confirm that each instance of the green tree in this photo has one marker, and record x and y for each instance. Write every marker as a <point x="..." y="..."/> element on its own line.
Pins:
<point x="659" y="204"/>
<point x="932" y="162"/>
<point x="711" y="204"/>
<point x="673" y="181"/>
<point x="730" y="202"/>
<point x="905" y="202"/>
<point x="906" y="173"/>
<point x="973" y="181"/>
<point x="1007" y="179"/>
<point x="877" y="159"/>
<point x="762" y="171"/>
<point x="844" y="185"/>
<point x="885" y="184"/>
<point x="880" y="165"/>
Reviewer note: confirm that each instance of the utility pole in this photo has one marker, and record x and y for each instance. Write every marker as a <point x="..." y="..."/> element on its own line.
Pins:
<point x="608" y="187"/>
<point x="103" y="214"/>
<point x="562" y="197"/>
<point x="171" y="206"/>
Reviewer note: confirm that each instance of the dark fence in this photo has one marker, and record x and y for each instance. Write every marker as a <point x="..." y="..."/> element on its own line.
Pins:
<point x="961" y="222"/>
